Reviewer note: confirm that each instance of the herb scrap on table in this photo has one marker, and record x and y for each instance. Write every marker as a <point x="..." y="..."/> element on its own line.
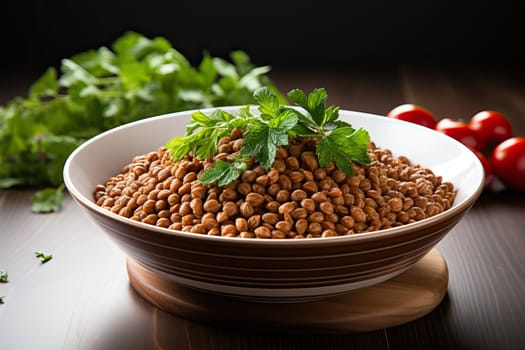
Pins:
<point x="4" y="277"/>
<point x="43" y="257"/>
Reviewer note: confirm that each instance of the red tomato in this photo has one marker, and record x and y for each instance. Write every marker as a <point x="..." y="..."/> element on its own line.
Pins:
<point x="492" y="127"/>
<point x="508" y="160"/>
<point x="460" y="131"/>
<point x="487" y="167"/>
<point x="414" y="114"/>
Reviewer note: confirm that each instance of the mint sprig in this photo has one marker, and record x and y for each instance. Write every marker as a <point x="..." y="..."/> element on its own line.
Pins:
<point x="275" y="124"/>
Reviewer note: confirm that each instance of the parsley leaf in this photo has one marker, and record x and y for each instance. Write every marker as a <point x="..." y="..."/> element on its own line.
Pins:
<point x="223" y="172"/>
<point x="344" y="145"/>
<point x="315" y="105"/>
<point x="268" y="103"/>
<point x="263" y="137"/>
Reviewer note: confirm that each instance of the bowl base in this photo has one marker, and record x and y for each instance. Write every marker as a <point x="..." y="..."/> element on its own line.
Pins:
<point x="401" y="299"/>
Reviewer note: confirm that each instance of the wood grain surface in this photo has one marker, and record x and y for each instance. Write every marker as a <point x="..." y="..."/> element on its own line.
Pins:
<point x="82" y="298"/>
<point x="399" y="300"/>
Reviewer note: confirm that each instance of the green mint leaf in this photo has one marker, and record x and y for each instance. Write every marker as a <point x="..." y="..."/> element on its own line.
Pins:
<point x="223" y="172"/>
<point x="2" y="299"/>
<point x="344" y="145"/>
<point x="43" y="257"/>
<point x="4" y="278"/>
<point x="48" y="200"/>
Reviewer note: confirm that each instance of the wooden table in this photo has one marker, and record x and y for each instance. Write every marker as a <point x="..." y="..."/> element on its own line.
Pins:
<point x="82" y="298"/>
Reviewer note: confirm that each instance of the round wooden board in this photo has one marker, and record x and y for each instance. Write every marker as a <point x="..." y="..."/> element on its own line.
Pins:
<point x="402" y="299"/>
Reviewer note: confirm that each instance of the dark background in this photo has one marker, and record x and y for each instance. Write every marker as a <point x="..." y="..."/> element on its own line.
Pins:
<point x="320" y="34"/>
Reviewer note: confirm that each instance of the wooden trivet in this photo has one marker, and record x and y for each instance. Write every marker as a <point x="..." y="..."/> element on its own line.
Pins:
<point x="399" y="300"/>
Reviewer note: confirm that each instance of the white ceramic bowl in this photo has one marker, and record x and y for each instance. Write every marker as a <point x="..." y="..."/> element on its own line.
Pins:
<point x="266" y="269"/>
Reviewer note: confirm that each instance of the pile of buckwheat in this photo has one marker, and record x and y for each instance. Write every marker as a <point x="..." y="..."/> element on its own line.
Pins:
<point x="294" y="198"/>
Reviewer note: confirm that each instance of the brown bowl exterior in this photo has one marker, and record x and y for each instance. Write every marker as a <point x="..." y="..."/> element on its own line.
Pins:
<point x="263" y="270"/>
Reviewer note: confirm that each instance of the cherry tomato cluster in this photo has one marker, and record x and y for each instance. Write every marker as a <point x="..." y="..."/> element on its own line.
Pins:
<point x="487" y="133"/>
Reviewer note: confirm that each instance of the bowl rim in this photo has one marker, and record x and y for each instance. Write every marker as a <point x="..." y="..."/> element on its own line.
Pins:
<point x="456" y="209"/>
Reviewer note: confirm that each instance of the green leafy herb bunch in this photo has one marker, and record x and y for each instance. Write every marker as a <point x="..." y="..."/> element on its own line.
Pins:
<point x="271" y="126"/>
<point x="96" y="90"/>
